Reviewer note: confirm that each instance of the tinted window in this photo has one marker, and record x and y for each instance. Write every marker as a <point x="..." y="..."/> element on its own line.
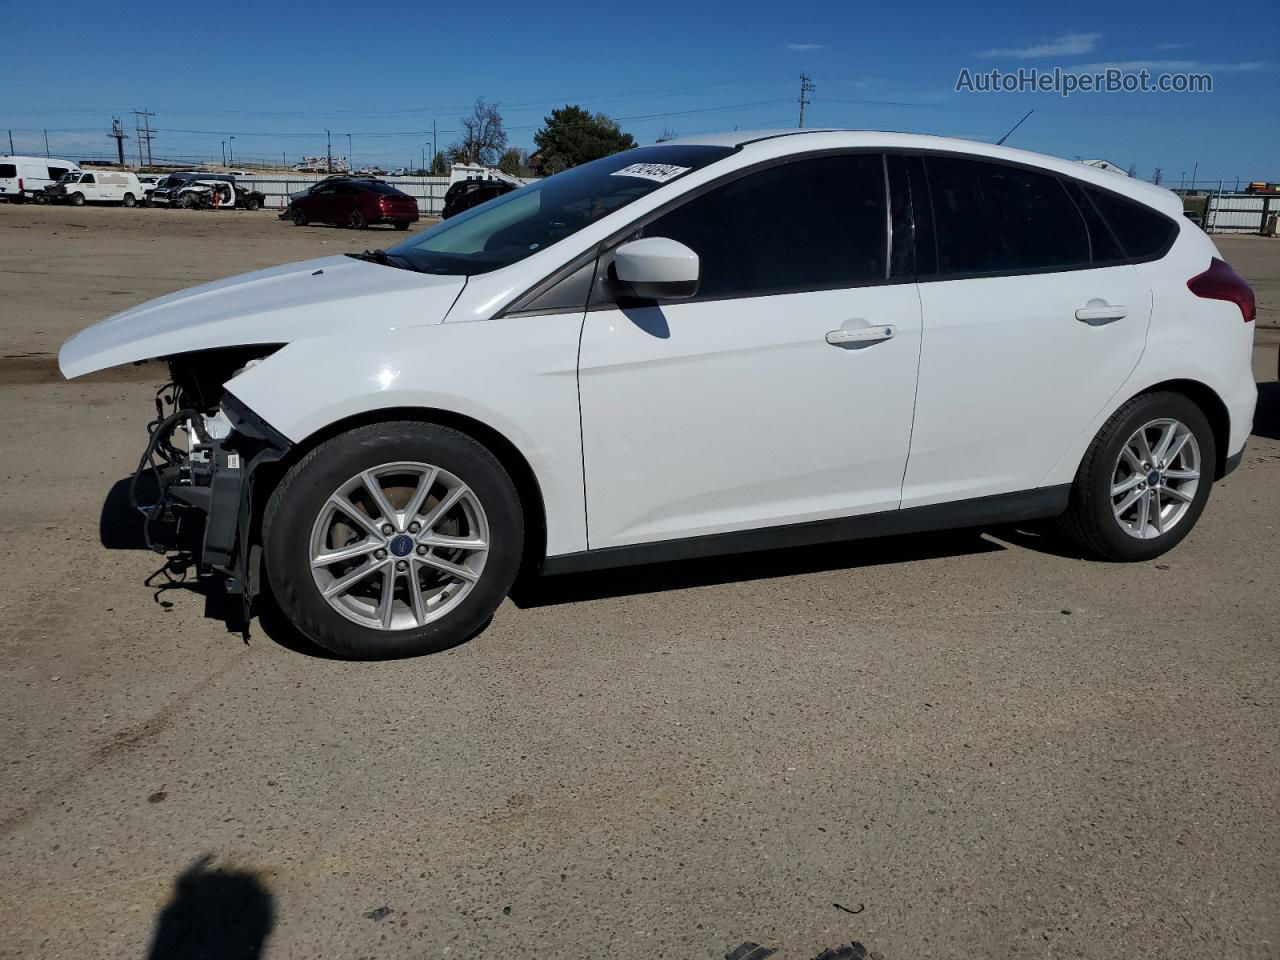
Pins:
<point x="384" y="188"/>
<point x="1103" y="246"/>
<point x="992" y="218"/>
<point x="807" y="225"/>
<point x="55" y="173"/>
<point x="1142" y="232"/>
<point x="88" y="178"/>
<point x="8" y="170"/>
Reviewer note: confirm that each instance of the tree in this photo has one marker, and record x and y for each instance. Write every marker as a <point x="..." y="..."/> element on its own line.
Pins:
<point x="439" y="165"/>
<point x="1157" y="177"/>
<point x="1133" y="170"/>
<point x="666" y="134"/>
<point x="483" y="137"/>
<point x="514" y="162"/>
<point x="571" y="136"/>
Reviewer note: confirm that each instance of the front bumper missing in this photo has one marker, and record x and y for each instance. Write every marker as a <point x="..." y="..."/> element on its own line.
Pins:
<point x="214" y="475"/>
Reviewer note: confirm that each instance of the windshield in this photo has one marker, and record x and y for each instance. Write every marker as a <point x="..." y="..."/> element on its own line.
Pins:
<point x="523" y="222"/>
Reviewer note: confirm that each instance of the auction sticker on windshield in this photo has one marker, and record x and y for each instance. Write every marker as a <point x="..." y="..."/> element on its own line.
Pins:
<point x="660" y="172"/>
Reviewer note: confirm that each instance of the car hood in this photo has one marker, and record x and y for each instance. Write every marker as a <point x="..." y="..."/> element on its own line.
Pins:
<point x="309" y="299"/>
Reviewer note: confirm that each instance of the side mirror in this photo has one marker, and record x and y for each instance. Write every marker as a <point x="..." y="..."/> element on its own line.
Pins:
<point x="657" y="268"/>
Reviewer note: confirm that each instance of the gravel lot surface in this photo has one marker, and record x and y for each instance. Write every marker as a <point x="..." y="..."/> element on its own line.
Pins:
<point x="977" y="745"/>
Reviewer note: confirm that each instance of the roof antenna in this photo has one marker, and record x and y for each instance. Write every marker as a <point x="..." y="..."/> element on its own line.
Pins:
<point x="1014" y="127"/>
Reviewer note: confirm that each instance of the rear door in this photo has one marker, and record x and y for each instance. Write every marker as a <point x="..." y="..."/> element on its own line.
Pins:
<point x="1032" y="322"/>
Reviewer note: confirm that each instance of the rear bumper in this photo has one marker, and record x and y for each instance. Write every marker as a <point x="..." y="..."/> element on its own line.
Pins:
<point x="1241" y="401"/>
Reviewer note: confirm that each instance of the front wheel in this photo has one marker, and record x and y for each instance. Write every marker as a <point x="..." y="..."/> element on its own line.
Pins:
<point x="1144" y="481"/>
<point x="299" y="218"/>
<point x="392" y="540"/>
<point x="129" y="200"/>
<point x="77" y="199"/>
<point x="356" y="220"/>
<point x="252" y="203"/>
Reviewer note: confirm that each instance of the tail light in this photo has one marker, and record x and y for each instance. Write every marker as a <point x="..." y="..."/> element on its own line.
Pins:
<point x="19" y="184"/>
<point x="1220" y="282"/>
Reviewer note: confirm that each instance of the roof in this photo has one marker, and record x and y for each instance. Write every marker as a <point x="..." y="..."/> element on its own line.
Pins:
<point x="767" y="143"/>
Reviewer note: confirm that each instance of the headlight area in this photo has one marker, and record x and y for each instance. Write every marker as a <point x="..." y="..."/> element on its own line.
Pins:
<point x="203" y="450"/>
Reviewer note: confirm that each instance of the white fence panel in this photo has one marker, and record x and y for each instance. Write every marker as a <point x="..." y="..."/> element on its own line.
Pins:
<point x="428" y="191"/>
<point x="1239" y="212"/>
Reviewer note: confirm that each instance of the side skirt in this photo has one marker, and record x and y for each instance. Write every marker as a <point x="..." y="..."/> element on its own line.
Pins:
<point x="981" y="511"/>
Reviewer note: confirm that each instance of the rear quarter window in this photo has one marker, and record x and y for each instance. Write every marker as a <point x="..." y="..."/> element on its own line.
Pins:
<point x="1143" y="233"/>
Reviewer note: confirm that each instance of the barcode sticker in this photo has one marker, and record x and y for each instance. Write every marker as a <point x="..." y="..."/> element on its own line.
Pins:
<point x="660" y="172"/>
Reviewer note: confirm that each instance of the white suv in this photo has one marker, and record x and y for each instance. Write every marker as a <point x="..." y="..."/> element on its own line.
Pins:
<point x="700" y="347"/>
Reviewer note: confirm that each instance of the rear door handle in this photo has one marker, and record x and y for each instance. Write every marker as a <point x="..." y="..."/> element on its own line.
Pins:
<point x="1098" y="312"/>
<point x="842" y="336"/>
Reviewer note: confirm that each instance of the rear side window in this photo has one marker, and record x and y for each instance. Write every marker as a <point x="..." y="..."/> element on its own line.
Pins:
<point x="808" y="225"/>
<point x="55" y="173"/>
<point x="991" y="218"/>
<point x="87" y="178"/>
<point x="8" y="170"/>
<point x="1142" y="232"/>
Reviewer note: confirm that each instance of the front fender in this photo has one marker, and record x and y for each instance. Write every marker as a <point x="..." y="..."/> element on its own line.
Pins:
<point x="517" y="376"/>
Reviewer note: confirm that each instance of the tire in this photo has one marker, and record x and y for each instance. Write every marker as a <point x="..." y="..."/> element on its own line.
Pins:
<point x="402" y="224"/>
<point x="300" y="522"/>
<point x="356" y="220"/>
<point x="1091" y="520"/>
<point x="299" y="218"/>
<point x="129" y="200"/>
<point x="252" y="204"/>
<point x="77" y="199"/>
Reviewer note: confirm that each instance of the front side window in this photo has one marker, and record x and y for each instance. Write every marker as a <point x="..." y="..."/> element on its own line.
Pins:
<point x="88" y="178"/>
<point x="815" y="224"/>
<point x="521" y="223"/>
<point x="992" y="218"/>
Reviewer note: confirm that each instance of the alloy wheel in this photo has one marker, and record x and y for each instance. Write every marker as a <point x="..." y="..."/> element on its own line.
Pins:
<point x="399" y="545"/>
<point x="1155" y="478"/>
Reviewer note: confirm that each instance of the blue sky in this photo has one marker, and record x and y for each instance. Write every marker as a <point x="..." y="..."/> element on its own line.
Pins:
<point x="280" y="75"/>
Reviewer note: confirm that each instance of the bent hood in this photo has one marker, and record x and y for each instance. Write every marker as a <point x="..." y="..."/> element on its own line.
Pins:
<point x="308" y="299"/>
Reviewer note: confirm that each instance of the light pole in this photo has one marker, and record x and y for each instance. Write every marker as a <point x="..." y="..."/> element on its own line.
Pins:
<point x="328" y="153"/>
<point x="231" y="149"/>
<point x="351" y="163"/>
<point x="224" y="153"/>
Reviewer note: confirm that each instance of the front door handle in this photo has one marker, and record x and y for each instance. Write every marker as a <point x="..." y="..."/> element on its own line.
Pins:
<point x="1098" y="312"/>
<point x="838" y="338"/>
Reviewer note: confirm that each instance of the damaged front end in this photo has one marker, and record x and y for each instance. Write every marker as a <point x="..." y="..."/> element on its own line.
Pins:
<point x="204" y="454"/>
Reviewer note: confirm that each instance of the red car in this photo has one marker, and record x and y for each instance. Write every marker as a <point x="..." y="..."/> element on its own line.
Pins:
<point x="355" y="203"/>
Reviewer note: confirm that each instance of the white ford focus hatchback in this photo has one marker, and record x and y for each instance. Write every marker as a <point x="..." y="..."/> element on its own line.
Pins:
<point x="700" y="347"/>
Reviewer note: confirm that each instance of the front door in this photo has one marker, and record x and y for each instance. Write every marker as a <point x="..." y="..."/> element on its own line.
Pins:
<point x="782" y="392"/>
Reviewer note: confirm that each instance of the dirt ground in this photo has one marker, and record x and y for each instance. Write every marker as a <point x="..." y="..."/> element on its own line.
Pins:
<point x="963" y="745"/>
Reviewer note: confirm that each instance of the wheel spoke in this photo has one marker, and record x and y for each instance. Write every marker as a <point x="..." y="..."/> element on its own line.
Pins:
<point x="1144" y="447"/>
<point x="1182" y="474"/>
<point x="462" y="573"/>
<point x="351" y="550"/>
<point x="1131" y="459"/>
<point x="387" y="512"/>
<point x="1166" y="438"/>
<point x="388" y="595"/>
<point x="1175" y="448"/>
<point x="415" y="595"/>
<point x="443" y="507"/>
<point x="342" y="584"/>
<point x="1134" y="496"/>
<point x="1180" y="494"/>
<point x="1156" y="519"/>
<point x="452" y="543"/>
<point x="1144" y="512"/>
<point x="1124" y="485"/>
<point x="420" y="495"/>
<point x="355" y="513"/>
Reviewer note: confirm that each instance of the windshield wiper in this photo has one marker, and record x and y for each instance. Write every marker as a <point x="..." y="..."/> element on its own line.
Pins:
<point x="384" y="258"/>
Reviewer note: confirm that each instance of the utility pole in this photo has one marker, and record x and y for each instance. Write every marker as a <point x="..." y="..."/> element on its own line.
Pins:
<point x="328" y="153"/>
<point x="142" y="127"/>
<point x="224" y="152"/>
<point x="46" y="143"/>
<point x="1194" y="171"/>
<point x="118" y="134"/>
<point x="435" y="150"/>
<point x="350" y="154"/>
<point x="231" y="148"/>
<point x="11" y="143"/>
<point x="806" y="88"/>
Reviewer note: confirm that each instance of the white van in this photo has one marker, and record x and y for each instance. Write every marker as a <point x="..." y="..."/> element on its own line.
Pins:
<point x="23" y="177"/>
<point x="78" y="187"/>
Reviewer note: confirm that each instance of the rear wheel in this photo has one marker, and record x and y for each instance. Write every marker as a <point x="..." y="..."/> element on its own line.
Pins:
<point x="299" y="217"/>
<point x="356" y="220"/>
<point x="392" y="540"/>
<point x="130" y="200"/>
<point x="77" y="199"/>
<point x="1144" y="481"/>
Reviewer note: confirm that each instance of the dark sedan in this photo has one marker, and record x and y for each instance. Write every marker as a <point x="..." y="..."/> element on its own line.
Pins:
<point x="355" y="203"/>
